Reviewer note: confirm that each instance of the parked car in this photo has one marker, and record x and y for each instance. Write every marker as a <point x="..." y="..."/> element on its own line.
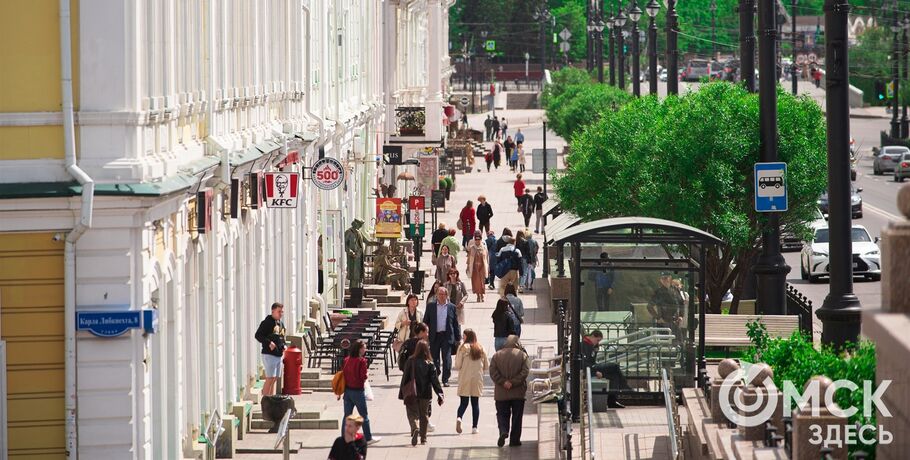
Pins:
<point x="813" y="261"/>
<point x="662" y="75"/>
<point x="887" y="158"/>
<point x="902" y="168"/>
<point x="856" y="203"/>
<point x="696" y="69"/>
<point x="789" y="241"/>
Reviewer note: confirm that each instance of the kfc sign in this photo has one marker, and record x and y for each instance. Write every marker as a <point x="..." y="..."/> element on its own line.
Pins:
<point x="281" y="189"/>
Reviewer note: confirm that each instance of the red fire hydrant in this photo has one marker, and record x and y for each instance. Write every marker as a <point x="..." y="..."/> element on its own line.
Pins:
<point x="293" y="365"/>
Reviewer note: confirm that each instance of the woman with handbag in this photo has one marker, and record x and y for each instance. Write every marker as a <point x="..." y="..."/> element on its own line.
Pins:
<point x="355" y="381"/>
<point x="505" y="323"/>
<point x="418" y="382"/>
<point x="457" y="293"/>
<point x="444" y="263"/>
<point x="471" y="363"/>
<point x="408" y="319"/>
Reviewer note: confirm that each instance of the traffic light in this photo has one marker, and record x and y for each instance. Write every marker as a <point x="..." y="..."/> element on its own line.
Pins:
<point x="879" y="90"/>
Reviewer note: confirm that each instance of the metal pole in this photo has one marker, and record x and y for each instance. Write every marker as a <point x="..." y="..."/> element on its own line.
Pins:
<point x="589" y="38"/>
<point x="652" y="55"/>
<point x="905" y="123"/>
<point x="713" y="9"/>
<point x="840" y="313"/>
<point x="636" y="70"/>
<point x="672" y="63"/>
<point x="545" y="158"/>
<point x="621" y="51"/>
<point x="895" y="76"/>
<point x="599" y="51"/>
<point x="611" y="47"/>
<point x="793" y="71"/>
<point x="747" y="43"/>
<point x="543" y="47"/>
<point x="575" y="389"/>
<point x="702" y="306"/>
<point x="771" y="269"/>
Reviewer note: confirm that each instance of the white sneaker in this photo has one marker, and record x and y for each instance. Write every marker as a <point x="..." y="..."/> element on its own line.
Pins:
<point x="430" y="427"/>
<point x="458" y="425"/>
<point x="374" y="440"/>
<point x="473" y="430"/>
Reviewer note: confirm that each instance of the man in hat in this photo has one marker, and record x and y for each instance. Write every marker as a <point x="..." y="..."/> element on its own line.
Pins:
<point x="666" y="304"/>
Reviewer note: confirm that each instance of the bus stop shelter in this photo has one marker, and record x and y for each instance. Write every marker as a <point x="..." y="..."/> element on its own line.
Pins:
<point x="617" y="266"/>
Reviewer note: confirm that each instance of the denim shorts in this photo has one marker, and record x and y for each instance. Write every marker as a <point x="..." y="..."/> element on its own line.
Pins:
<point x="272" y="365"/>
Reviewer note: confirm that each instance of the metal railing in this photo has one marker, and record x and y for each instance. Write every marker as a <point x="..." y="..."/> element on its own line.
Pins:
<point x="411" y="121"/>
<point x="798" y="304"/>
<point x="589" y="402"/>
<point x="672" y="416"/>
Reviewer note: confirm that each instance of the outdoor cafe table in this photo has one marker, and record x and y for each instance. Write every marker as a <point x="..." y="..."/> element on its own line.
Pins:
<point x="606" y="316"/>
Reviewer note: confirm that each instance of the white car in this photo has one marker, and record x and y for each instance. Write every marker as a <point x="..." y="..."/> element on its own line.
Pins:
<point x="813" y="261"/>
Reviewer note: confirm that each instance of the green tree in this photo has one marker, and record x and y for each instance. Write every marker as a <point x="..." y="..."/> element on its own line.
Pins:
<point x="689" y="160"/>
<point x="581" y="105"/>
<point x="562" y="79"/>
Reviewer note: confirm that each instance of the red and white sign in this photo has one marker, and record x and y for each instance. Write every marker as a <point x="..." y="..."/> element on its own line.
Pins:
<point x="281" y="189"/>
<point x="328" y="173"/>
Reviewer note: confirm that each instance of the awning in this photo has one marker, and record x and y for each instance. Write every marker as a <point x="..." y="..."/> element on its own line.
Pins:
<point x="564" y="221"/>
<point x="551" y="206"/>
<point x="267" y="146"/>
<point x="644" y="230"/>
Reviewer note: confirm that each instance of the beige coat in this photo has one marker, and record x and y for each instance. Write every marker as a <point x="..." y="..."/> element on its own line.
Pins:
<point x="399" y="323"/>
<point x="470" y="371"/>
<point x="477" y="250"/>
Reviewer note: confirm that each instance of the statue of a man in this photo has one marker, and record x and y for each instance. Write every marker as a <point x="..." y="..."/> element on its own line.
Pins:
<point x="353" y="248"/>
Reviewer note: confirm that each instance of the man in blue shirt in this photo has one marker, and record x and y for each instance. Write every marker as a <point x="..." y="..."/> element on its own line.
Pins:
<point x="603" y="282"/>
<point x="519" y="137"/>
<point x="443" y="328"/>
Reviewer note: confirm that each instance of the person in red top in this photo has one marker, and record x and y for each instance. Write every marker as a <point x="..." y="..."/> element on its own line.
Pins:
<point x="355" y="378"/>
<point x="468" y="223"/>
<point x="519" y="187"/>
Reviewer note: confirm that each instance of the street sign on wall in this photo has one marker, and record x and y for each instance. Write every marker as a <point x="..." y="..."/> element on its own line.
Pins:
<point x="770" y="187"/>
<point x="281" y="189"/>
<point x="328" y="173"/>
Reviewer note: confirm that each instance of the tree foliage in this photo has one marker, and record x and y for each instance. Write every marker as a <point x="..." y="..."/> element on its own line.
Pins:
<point x="561" y="80"/>
<point x="581" y="105"/>
<point x="690" y="160"/>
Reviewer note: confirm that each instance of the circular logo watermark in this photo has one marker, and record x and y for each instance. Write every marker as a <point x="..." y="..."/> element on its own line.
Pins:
<point x="733" y="405"/>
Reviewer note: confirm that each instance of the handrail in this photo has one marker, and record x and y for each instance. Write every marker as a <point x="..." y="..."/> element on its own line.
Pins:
<point x="590" y="402"/>
<point x="670" y="421"/>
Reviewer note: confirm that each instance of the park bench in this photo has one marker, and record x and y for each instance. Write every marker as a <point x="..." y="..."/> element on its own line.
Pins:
<point x="730" y="330"/>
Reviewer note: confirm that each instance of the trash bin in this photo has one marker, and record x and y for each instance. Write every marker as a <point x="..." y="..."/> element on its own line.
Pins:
<point x="293" y="364"/>
<point x="417" y="282"/>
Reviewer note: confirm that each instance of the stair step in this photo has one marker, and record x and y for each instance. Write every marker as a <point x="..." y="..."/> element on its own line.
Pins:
<point x="310" y="373"/>
<point x="391" y="305"/>
<point x="297" y="424"/>
<point x="302" y="415"/>
<point x="316" y="383"/>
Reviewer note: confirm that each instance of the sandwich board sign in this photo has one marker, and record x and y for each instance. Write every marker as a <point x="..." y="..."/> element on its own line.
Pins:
<point x="771" y="187"/>
<point x="281" y="189"/>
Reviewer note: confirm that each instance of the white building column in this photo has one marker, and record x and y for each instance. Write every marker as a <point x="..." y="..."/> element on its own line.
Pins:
<point x="434" y="75"/>
<point x="390" y="64"/>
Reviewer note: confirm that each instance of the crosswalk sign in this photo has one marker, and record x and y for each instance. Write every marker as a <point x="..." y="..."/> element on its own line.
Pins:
<point x="490" y="45"/>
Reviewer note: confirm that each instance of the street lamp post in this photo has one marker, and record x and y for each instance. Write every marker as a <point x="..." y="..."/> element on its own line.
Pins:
<point x="747" y="43"/>
<point x="620" y="21"/>
<point x="599" y="47"/>
<point x="543" y="15"/>
<point x="652" y="9"/>
<point x="635" y="15"/>
<point x="713" y="9"/>
<point x="841" y="312"/>
<point x="672" y="63"/>
<point x="589" y="39"/>
<point x="793" y="71"/>
<point x="905" y="123"/>
<point x="771" y="269"/>
<point x="895" y="74"/>
<point x="611" y="24"/>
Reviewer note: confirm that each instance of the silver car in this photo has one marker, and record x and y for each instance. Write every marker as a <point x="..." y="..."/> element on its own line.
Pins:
<point x="887" y="158"/>
<point x="902" y="168"/>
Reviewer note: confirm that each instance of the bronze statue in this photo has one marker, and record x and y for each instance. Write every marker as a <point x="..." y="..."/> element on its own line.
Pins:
<point x="354" y="243"/>
<point x="386" y="270"/>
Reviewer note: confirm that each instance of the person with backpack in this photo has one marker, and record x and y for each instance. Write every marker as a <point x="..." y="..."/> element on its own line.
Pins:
<point x="471" y="363"/>
<point x="518" y="307"/>
<point x="508" y="265"/>
<point x="505" y="323"/>
<point x="418" y="382"/>
<point x="354" y="371"/>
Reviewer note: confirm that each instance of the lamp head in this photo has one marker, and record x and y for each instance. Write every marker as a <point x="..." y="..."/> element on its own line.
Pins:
<point x="635" y="13"/>
<point x="652" y="8"/>
<point x="620" y="20"/>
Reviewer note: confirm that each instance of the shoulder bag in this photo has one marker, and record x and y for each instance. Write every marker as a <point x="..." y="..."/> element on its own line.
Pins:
<point x="409" y="390"/>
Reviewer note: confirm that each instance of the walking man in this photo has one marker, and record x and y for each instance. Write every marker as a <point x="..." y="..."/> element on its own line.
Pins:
<point x="488" y="127"/>
<point x="539" y="199"/>
<point x="441" y="319"/>
<point x="509" y="370"/>
<point x="495" y="129"/>
<point x="526" y="206"/>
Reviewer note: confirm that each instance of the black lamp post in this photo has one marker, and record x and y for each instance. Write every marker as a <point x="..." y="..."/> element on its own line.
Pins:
<point x="905" y="123"/>
<point x="543" y="15"/>
<point x="793" y="71"/>
<point x="713" y="9"/>
<point x="841" y="312"/>
<point x="672" y="63"/>
<point x="771" y="269"/>
<point x="599" y="47"/>
<point x="895" y="74"/>
<point x="589" y="40"/>
<point x="652" y="9"/>
<point x="635" y="15"/>
<point x="747" y="43"/>
<point x="611" y="23"/>
<point x="619" y="22"/>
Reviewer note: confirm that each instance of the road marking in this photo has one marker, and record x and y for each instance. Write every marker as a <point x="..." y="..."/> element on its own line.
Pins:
<point x="882" y="212"/>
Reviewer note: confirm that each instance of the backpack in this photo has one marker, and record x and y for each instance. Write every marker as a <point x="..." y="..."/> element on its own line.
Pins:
<point x="503" y="267"/>
<point x="338" y="383"/>
<point x="514" y="327"/>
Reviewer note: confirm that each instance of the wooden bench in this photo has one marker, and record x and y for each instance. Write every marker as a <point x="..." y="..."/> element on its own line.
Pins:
<point x="730" y="330"/>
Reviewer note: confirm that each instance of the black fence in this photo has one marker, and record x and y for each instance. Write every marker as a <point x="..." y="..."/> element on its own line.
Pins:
<point x="798" y="304"/>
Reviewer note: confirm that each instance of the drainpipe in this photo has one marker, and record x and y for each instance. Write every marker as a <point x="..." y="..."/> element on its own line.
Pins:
<point x="85" y="222"/>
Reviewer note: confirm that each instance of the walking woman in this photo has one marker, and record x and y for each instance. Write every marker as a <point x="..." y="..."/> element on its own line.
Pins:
<point x="457" y="293"/>
<point x="408" y="319"/>
<point x="509" y="145"/>
<point x="504" y="323"/>
<point x="467" y="223"/>
<point x="477" y="265"/>
<point x="497" y="153"/>
<point x="421" y="370"/>
<point x="355" y="378"/>
<point x="444" y="263"/>
<point x="471" y="363"/>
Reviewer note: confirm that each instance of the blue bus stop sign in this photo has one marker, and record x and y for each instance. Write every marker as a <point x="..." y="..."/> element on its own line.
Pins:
<point x="770" y="187"/>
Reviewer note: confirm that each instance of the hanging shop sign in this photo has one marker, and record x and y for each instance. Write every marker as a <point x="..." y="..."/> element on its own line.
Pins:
<point x="281" y="189"/>
<point x="116" y="323"/>
<point x="255" y="188"/>
<point x="328" y="173"/>
<point x="394" y="154"/>
<point x="416" y="210"/>
<point x="204" y="200"/>
<point x="292" y="157"/>
<point x="427" y="174"/>
<point x="388" y="217"/>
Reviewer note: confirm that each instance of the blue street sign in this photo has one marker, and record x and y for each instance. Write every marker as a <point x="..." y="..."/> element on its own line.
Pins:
<point x="770" y="187"/>
<point x="115" y="323"/>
